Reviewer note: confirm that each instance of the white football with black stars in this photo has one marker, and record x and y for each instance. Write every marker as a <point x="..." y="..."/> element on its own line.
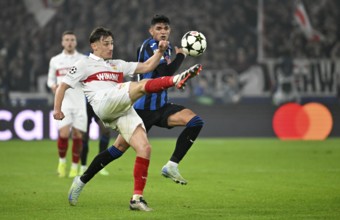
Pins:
<point x="194" y="43"/>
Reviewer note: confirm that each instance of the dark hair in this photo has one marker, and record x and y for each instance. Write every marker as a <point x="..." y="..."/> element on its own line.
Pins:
<point x="160" y="19"/>
<point x="67" y="32"/>
<point x="99" y="32"/>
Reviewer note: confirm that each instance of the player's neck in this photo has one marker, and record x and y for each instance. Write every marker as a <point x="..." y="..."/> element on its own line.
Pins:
<point x="69" y="52"/>
<point x="100" y="56"/>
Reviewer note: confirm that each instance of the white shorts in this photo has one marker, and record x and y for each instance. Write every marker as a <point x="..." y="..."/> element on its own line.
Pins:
<point x="115" y="109"/>
<point x="76" y="117"/>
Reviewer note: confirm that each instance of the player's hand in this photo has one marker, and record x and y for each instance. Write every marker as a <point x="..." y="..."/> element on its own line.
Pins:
<point x="58" y="115"/>
<point x="180" y="50"/>
<point x="163" y="45"/>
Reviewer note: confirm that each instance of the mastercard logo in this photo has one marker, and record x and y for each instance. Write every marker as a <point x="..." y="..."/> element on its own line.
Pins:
<point x="312" y="121"/>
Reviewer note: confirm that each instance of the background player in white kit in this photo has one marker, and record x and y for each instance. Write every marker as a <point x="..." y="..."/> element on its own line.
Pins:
<point x="74" y="106"/>
<point x="101" y="79"/>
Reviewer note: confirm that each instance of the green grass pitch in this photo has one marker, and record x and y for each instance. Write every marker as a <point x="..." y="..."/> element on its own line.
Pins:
<point x="228" y="179"/>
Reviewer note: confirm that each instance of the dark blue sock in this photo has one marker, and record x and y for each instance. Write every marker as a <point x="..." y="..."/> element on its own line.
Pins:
<point x="100" y="161"/>
<point x="187" y="138"/>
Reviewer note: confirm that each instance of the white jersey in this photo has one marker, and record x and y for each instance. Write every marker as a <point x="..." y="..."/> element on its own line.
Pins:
<point x="102" y="82"/>
<point x="74" y="103"/>
<point x="58" y="68"/>
<point x="96" y="74"/>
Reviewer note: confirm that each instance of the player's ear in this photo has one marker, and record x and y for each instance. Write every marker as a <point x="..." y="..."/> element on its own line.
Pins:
<point x="94" y="46"/>
<point x="151" y="31"/>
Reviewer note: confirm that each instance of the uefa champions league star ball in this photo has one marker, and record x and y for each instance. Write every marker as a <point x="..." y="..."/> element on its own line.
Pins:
<point x="194" y="43"/>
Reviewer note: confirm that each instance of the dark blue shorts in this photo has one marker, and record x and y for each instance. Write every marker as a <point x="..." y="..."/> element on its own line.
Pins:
<point x="160" y="116"/>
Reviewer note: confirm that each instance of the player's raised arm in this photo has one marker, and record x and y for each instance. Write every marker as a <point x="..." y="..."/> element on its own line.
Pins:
<point x="153" y="62"/>
<point x="166" y="69"/>
<point x="58" y="99"/>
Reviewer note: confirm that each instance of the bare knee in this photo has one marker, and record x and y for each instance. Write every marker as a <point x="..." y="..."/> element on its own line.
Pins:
<point x="64" y="132"/>
<point x="147" y="149"/>
<point x="143" y="150"/>
<point x="121" y="144"/>
<point x="140" y="143"/>
<point x="76" y="134"/>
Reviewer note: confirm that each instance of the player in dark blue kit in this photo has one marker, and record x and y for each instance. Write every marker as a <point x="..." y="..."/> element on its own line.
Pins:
<point x="155" y="109"/>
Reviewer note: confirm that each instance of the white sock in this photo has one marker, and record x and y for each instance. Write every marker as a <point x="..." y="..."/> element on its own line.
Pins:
<point x="62" y="160"/>
<point x="79" y="182"/>
<point x="136" y="196"/>
<point x="172" y="164"/>
<point x="175" y="79"/>
<point x="74" y="166"/>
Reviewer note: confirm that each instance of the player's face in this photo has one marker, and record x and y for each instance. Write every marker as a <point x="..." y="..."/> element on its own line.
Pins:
<point x="103" y="48"/>
<point x="160" y="31"/>
<point x="69" y="43"/>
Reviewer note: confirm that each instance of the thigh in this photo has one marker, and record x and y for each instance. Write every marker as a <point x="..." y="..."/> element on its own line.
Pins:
<point x="181" y="118"/>
<point x="149" y="118"/>
<point x="136" y="90"/>
<point x="167" y="113"/>
<point x="127" y="124"/>
<point x="139" y="142"/>
<point x="113" y="104"/>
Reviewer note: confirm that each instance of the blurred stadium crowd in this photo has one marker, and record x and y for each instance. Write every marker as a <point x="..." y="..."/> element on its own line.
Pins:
<point x="229" y="25"/>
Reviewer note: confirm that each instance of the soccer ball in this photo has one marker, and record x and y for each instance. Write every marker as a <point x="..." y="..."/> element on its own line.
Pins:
<point x="194" y="43"/>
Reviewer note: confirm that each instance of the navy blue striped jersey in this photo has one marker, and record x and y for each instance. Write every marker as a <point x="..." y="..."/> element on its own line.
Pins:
<point x="152" y="101"/>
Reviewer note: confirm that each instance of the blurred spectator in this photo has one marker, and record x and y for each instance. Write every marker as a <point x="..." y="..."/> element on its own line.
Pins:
<point x="229" y="25"/>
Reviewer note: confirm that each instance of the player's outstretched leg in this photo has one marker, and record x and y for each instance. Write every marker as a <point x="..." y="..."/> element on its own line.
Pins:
<point x="159" y="84"/>
<point x="183" y="77"/>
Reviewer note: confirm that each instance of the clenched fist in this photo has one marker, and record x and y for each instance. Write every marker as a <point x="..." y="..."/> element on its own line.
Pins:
<point x="163" y="45"/>
<point x="58" y="115"/>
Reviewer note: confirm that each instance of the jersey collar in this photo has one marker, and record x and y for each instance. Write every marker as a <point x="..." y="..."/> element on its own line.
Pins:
<point x="95" y="57"/>
<point x="66" y="54"/>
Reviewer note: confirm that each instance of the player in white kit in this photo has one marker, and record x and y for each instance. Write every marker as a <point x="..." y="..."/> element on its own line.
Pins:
<point x="74" y="106"/>
<point x="102" y="82"/>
